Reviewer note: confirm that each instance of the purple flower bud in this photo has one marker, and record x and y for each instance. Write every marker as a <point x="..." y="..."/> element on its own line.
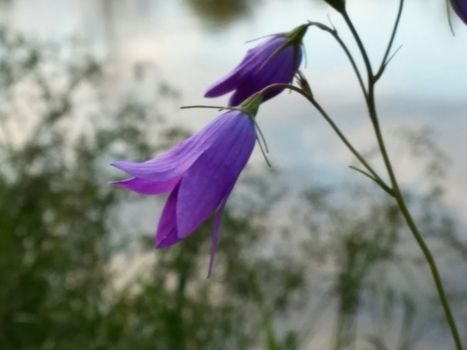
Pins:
<point x="199" y="173"/>
<point x="274" y="61"/>
<point x="460" y="7"/>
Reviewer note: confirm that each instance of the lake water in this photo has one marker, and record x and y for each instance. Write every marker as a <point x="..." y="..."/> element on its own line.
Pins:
<point x="425" y="85"/>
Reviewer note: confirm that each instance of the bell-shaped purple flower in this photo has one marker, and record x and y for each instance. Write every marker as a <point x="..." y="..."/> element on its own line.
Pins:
<point x="460" y="7"/>
<point x="199" y="173"/>
<point x="274" y="61"/>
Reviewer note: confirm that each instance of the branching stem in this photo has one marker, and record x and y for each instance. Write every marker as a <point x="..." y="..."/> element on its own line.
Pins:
<point x="336" y="129"/>
<point x="395" y="187"/>
<point x="347" y="52"/>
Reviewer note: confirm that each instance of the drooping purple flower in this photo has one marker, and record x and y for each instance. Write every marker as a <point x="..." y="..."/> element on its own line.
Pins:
<point x="460" y="7"/>
<point x="276" y="60"/>
<point x="199" y="173"/>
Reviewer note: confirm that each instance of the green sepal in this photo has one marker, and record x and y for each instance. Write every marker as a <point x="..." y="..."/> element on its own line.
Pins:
<point x="251" y="105"/>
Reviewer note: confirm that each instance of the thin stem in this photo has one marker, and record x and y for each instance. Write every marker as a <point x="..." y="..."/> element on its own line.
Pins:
<point x="344" y="47"/>
<point x="385" y="61"/>
<point x="412" y="226"/>
<point x="371" y="105"/>
<point x="336" y="129"/>
<point x="339" y="133"/>
<point x="383" y="185"/>
<point x="261" y="135"/>
<point x="360" y="45"/>
<point x="393" y="54"/>
<point x="263" y="152"/>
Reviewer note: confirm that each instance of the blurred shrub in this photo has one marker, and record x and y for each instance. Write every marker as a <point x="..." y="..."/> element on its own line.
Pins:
<point x="59" y="216"/>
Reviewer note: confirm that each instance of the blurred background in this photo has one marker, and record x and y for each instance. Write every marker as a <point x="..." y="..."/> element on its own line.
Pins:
<point x="311" y="255"/>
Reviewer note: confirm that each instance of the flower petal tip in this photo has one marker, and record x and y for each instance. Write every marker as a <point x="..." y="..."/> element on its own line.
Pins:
<point x="209" y="93"/>
<point x="119" y="164"/>
<point x="167" y="242"/>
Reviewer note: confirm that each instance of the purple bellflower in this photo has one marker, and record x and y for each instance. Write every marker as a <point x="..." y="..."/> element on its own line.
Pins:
<point x="274" y="61"/>
<point x="460" y="7"/>
<point x="198" y="173"/>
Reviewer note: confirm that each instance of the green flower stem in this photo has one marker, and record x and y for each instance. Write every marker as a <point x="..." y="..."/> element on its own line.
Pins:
<point x="386" y="57"/>
<point x="372" y="173"/>
<point x="335" y="34"/>
<point x="360" y="45"/>
<point x="397" y="193"/>
<point x="412" y="226"/>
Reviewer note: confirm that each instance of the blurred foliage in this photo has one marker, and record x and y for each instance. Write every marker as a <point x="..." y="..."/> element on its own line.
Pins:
<point x="221" y="12"/>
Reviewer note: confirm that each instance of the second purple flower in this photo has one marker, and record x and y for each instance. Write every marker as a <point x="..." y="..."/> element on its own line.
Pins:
<point x="274" y="61"/>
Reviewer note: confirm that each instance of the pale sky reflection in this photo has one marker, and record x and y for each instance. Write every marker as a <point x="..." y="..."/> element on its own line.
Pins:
<point x="426" y="84"/>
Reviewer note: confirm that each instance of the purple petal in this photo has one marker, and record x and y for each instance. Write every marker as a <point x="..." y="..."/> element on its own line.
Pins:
<point x="208" y="181"/>
<point x="166" y="234"/>
<point x="226" y="84"/>
<point x="177" y="160"/>
<point x="147" y="187"/>
<point x="460" y="6"/>
<point x="254" y="58"/>
<point x="279" y="68"/>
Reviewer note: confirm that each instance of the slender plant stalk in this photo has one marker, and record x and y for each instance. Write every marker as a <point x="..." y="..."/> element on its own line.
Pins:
<point x="361" y="47"/>
<point x="399" y="197"/>
<point x="394" y="189"/>
<point x="373" y="175"/>
<point x="386" y="56"/>
<point x="397" y="193"/>
<point x="335" y="34"/>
